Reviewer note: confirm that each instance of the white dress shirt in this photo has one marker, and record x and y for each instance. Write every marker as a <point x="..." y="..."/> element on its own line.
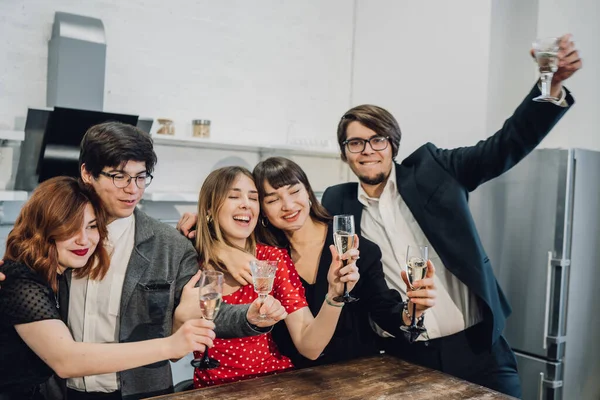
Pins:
<point x="94" y="306"/>
<point x="388" y="222"/>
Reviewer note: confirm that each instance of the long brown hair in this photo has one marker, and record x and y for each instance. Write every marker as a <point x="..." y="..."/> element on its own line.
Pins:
<point x="55" y="212"/>
<point x="208" y="235"/>
<point x="279" y="172"/>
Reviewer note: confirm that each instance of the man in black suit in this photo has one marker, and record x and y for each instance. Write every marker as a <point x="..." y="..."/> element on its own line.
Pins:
<point x="423" y="201"/>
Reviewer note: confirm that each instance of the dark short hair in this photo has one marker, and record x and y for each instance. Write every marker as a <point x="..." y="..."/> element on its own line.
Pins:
<point x="381" y="121"/>
<point x="113" y="144"/>
<point x="279" y="172"/>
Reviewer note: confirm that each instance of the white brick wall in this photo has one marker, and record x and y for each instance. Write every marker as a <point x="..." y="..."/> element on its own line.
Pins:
<point x="272" y="71"/>
<point x="283" y="71"/>
<point x="263" y="71"/>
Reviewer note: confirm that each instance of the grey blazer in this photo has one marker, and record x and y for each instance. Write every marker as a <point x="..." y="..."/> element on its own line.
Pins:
<point x="161" y="263"/>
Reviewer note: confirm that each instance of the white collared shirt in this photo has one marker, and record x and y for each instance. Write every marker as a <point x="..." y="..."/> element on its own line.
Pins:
<point x="388" y="222"/>
<point x="94" y="306"/>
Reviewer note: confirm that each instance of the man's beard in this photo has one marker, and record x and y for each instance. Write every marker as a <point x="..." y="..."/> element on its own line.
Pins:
<point x="376" y="180"/>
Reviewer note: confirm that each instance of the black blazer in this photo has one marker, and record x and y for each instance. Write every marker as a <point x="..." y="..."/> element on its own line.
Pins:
<point x="353" y="336"/>
<point x="435" y="184"/>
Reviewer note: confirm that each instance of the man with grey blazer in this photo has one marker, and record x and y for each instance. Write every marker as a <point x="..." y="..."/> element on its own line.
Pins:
<point x="151" y="263"/>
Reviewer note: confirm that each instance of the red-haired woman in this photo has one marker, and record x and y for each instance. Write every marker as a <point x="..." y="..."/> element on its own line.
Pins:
<point x="60" y="227"/>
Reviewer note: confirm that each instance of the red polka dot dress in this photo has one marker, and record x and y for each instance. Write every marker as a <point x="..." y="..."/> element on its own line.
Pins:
<point x="248" y="357"/>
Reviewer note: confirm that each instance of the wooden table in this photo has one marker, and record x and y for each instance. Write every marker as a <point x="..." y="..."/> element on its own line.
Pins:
<point x="381" y="377"/>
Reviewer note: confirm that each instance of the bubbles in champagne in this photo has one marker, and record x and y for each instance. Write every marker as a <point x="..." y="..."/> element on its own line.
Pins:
<point x="263" y="274"/>
<point x="263" y="285"/>
<point x="343" y="241"/>
<point x="416" y="269"/>
<point x="210" y="304"/>
<point x="547" y="61"/>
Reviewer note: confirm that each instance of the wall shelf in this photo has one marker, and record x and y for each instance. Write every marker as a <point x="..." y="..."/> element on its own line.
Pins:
<point x="18" y="136"/>
<point x="161" y="140"/>
<point x="13" y="195"/>
<point x="171" y="197"/>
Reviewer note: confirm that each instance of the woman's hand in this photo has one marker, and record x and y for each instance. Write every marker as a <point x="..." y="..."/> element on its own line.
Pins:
<point x="266" y="313"/>
<point x="424" y="297"/>
<point x="194" y="335"/>
<point x="237" y="263"/>
<point x="339" y="274"/>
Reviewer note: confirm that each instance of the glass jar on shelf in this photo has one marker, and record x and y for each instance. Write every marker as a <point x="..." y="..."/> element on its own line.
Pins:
<point x="201" y="128"/>
<point x="166" y="126"/>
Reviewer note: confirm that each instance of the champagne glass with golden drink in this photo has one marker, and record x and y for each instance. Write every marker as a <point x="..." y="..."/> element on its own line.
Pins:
<point x="416" y="269"/>
<point x="211" y="295"/>
<point x="545" y="51"/>
<point x="343" y="238"/>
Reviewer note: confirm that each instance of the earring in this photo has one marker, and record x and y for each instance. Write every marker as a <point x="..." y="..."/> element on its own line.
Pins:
<point x="310" y="203"/>
<point x="264" y="222"/>
<point x="208" y="219"/>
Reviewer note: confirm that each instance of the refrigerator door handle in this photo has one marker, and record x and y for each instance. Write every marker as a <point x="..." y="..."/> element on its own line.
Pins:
<point x="553" y="265"/>
<point x="543" y="383"/>
<point x="547" y="301"/>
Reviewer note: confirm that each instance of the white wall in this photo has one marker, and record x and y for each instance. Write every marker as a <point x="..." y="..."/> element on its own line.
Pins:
<point x="273" y="71"/>
<point x="427" y="63"/>
<point x="581" y="126"/>
<point x="515" y="23"/>
<point x="265" y="71"/>
<point x="512" y="72"/>
<point x="277" y="72"/>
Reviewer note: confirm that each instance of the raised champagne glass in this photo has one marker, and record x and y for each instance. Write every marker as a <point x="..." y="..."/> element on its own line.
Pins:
<point x="263" y="275"/>
<point x="545" y="51"/>
<point x="343" y="238"/>
<point x="416" y="269"/>
<point x="211" y="295"/>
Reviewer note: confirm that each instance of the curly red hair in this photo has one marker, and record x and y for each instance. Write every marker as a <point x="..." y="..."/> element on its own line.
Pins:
<point x="55" y="212"/>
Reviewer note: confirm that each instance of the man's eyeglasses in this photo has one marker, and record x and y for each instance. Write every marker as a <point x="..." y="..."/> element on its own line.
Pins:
<point x="377" y="143"/>
<point x="122" y="180"/>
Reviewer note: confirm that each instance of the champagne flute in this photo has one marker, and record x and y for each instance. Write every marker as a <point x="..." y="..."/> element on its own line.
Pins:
<point x="263" y="276"/>
<point x="343" y="238"/>
<point x="416" y="269"/>
<point x="211" y="295"/>
<point x="545" y="51"/>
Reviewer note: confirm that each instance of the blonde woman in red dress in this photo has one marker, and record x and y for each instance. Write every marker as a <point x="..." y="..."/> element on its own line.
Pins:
<point x="228" y="211"/>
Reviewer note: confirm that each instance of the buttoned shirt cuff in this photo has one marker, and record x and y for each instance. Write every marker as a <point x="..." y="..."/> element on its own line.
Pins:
<point x="562" y="100"/>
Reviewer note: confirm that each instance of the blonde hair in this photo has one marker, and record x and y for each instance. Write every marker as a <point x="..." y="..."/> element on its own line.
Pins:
<point x="213" y="194"/>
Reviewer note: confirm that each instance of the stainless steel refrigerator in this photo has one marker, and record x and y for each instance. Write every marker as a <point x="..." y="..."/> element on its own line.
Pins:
<point x="540" y="225"/>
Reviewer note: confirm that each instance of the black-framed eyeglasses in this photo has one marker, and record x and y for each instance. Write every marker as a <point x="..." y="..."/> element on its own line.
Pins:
<point x="122" y="180"/>
<point x="377" y="143"/>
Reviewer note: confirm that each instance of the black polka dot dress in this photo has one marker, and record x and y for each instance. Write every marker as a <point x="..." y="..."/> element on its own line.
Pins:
<point x="24" y="297"/>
